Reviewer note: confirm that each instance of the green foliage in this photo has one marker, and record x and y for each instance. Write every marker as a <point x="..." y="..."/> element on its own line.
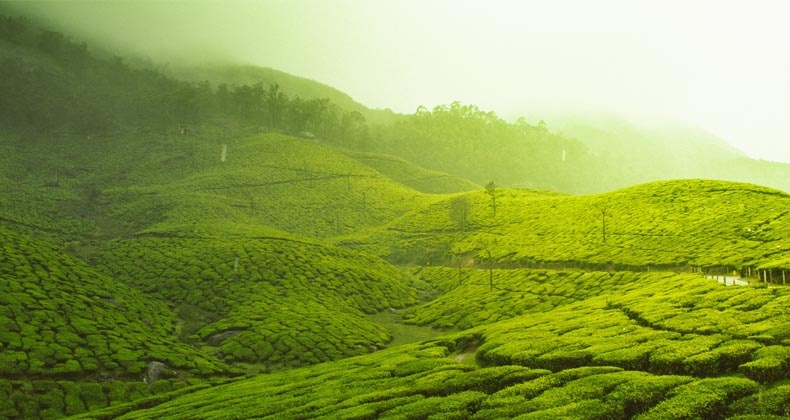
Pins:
<point x="130" y="236"/>
<point x="462" y="139"/>
<point x="128" y="329"/>
<point x="278" y="301"/>
<point x="413" y="176"/>
<point x="711" y="226"/>
<point x="56" y="84"/>
<point x="707" y="398"/>
<point x="770" y="402"/>
<point x="770" y="364"/>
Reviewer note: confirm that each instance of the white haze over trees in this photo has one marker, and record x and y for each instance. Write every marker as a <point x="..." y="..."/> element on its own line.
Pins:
<point x="722" y="66"/>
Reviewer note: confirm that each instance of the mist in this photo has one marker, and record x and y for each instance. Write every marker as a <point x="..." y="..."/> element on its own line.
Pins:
<point x="713" y="65"/>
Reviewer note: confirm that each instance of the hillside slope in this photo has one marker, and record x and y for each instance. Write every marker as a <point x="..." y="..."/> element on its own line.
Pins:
<point x="631" y="353"/>
<point x="660" y="150"/>
<point x="672" y="224"/>
<point x="234" y="74"/>
<point x="61" y="318"/>
<point x="412" y="176"/>
<point x="291" y="184"/>
<point x="74" y="340"/>
<point x="277" y="301"/>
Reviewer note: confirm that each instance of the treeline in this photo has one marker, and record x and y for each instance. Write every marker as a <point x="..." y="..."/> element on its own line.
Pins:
<point x="479" y="145"/>
<point x="49" y="82"/>
<point x="52" y="83"/>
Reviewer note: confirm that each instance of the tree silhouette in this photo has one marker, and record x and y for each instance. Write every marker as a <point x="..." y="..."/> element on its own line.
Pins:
<point x="604" y="210"/>
<point x="491" y="191"/>
<point x="460" y="208"/>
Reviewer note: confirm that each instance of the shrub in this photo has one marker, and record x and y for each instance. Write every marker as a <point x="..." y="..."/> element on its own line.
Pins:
<point x="640" y="394"/>
<point x="706" y="398"/>
<point x="775" y="401"/>
<point x="771" y="364"/>
<point x="764" y="370"/>
<point x="72" y="399"/>
<point x="7" y="408"/>
<point x="93" y="395"/>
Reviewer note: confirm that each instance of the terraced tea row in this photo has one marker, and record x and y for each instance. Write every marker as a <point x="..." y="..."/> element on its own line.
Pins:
<point x="427" y="381"/>
<point x="62" y="319"/>
<point x="49" y="399"/>
<point x="294" y="185"/>
<point x="412" y="176"/>
<point x="274" y="301"/>
<point x="473" y="297"/>
<point x="662" y="324"/>
<point x="73" y="340"/>
<point x="672" y="224"/>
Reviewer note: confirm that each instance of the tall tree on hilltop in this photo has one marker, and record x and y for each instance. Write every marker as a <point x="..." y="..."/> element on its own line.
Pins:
<point x="276" y="103"/>
<point x="460" y="208"/>
<point x="491" y="191"/>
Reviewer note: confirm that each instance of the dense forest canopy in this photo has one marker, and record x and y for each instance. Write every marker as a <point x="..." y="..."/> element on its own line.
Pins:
<point x="67" y="88"/>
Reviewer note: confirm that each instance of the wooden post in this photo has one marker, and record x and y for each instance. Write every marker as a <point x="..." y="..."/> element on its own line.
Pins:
<point x="784" y="277"/>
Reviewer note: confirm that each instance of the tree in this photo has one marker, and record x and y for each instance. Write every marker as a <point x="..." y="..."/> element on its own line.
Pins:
<point x="491" y="190"/>
<point x="603" y="209"/>
<point x="460" y="208"/>
<point x="276" y="103"/>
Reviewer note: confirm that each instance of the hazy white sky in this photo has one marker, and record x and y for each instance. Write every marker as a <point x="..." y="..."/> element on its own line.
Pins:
<point x="721" y="65"/>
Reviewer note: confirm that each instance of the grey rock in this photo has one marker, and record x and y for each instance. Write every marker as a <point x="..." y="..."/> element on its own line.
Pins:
<point x="152" y="372"/>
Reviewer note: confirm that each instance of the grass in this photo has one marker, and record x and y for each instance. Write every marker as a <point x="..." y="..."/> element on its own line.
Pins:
<point x="401" y="332"/>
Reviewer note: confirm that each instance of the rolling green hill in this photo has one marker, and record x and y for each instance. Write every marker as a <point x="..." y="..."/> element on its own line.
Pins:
<point x="413" y="176"/>
<point x="74" y="340"/>
<point x="294" y="185"/>
<point x="276" y="301"/>
<point x="147" y="219"/>
<point x="672" y="224"/>
<point x="640" y="346"/>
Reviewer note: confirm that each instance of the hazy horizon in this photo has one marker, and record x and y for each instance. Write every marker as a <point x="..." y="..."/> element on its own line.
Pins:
<point x="717" y="66"/>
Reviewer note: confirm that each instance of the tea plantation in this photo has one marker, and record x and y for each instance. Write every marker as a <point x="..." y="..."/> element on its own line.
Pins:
<point x="277" y="301"/>
<point x="619" y="355"/>
<point x="74" y="340"/>
<point x="173" y="249"/>
<point x="686" y="224"/>
<point x="261" y="257"/>
<point x="272" y="180"/>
